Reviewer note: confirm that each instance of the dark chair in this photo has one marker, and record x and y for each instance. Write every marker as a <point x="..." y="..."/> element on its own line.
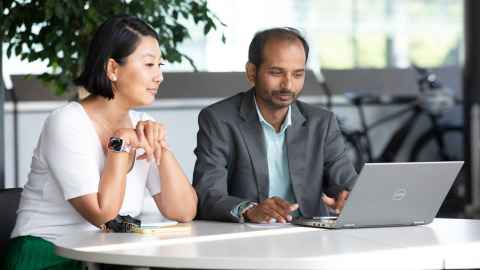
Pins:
<point x="9" y="200"/>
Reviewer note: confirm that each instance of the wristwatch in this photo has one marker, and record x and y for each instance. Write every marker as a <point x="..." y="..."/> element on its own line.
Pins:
<point x="117" y="144"/>
<point x="243" y="210"/>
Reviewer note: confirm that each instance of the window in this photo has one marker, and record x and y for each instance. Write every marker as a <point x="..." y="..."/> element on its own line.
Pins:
<point x="343" y="34"/>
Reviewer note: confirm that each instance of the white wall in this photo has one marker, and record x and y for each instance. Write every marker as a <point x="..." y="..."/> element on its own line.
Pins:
<point x="181" y="126"/>
<point x="180" y="118"/>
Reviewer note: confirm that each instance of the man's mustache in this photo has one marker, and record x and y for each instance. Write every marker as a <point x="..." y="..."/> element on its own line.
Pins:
<point x="283" y="92"/>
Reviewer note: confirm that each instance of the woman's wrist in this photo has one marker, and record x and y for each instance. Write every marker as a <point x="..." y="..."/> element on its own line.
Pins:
<point x="164" y="146"/>
<point x="120" y="141"/>
<point x="124" y="134"/>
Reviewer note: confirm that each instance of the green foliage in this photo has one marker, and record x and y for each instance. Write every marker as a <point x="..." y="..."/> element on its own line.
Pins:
<point x="59" y="31"/>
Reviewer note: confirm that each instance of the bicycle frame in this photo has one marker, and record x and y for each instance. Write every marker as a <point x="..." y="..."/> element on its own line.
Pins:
<point x="432" y="142"/>
<point x="397" y="140"/>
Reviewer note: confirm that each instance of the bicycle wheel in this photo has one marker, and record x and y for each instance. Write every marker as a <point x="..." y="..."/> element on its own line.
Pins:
<point x="427" y="148"/>
<point x="354" y="150"/>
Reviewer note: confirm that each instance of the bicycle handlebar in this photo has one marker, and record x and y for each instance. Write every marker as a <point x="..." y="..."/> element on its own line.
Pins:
<point x="427" y="79"/>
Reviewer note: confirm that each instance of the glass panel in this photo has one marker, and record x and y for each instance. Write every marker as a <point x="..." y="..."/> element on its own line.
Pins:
<point x="343" y="34"/>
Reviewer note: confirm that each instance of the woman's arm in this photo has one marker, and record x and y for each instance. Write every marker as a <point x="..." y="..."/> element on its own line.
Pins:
<point x="177" y="199"/>
<point x="103" y="206"/>
<point x="100" y="207"/>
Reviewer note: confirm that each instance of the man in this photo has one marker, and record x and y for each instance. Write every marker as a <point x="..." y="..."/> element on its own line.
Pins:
<point x="263" y="156"/>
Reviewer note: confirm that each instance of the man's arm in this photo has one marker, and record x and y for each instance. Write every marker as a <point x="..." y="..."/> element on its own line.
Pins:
<point x="210" y="176"/>
<point x="339" y="172"/>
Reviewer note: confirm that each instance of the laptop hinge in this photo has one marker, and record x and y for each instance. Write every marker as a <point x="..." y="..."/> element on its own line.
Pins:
<point x="418" y="222"/>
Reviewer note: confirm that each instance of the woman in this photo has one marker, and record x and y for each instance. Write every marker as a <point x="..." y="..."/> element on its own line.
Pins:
<point x="95" y="158"/>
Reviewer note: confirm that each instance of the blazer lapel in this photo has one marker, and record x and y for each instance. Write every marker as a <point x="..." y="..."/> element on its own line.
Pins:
<point x="296" y="148"/>
<point x="253" y="135"/>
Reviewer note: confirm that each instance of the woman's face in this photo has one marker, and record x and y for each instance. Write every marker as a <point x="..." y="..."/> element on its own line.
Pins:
<point x="138" y="79"/>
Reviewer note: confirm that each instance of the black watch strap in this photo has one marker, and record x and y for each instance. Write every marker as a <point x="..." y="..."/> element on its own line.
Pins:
<point x="244" y="210"/>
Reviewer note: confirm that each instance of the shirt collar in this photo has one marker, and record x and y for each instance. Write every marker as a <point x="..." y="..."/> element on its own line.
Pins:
<point x="286" y="123"/>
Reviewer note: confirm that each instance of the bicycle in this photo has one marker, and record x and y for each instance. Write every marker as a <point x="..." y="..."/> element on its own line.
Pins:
<point x="434" y="144"/>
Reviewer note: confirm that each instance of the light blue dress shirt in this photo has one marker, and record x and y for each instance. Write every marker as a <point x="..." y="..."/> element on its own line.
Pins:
<point x="276" y="149"/>
<point x="279" y="181"/>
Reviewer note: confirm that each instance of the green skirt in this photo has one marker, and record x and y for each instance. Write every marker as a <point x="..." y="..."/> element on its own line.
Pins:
<point x="34" y="253"/>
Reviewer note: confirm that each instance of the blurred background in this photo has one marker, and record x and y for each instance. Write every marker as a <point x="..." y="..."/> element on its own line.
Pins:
<point x="400" y="75"/>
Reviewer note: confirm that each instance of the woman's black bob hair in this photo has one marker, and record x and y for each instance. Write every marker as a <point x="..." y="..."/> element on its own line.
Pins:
<point x="116" y="38"/>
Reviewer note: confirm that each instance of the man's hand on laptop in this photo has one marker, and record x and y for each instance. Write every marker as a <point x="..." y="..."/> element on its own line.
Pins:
<point x="271" y="210"/>
<point x="336" y="205"/>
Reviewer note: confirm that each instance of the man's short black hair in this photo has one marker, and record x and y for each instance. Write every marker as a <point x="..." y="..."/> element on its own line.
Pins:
<point x="255" y="51"/>
<point x="116" y="38"/>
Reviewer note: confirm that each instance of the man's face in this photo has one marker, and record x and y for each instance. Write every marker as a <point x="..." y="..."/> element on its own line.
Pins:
<point x="279" y="79"/>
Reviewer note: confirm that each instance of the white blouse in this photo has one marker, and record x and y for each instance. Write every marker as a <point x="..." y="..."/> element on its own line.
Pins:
<point x="67" y="163"/>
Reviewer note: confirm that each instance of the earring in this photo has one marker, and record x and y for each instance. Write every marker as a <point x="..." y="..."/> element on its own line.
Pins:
<point x="114" y="78"/>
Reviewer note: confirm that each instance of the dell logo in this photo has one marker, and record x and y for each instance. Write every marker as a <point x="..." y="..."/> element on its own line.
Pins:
<point x="399" y="194"/>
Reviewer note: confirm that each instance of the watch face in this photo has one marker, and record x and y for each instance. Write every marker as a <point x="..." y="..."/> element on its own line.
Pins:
<point x="115" y="144"/>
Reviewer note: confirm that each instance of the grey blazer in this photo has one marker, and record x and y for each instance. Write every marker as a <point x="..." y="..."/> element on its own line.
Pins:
<point x="231" y="164"/>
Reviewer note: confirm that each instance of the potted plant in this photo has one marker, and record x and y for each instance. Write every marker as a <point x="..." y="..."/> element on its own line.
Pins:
<point x="59" y="31"/>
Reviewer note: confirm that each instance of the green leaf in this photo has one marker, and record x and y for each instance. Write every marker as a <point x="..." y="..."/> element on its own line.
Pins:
<point x="59" y="11"/>
<point x="9" y="50"/>
<point x="207" y="28"/>
<point x="18" y="49"/>
<point x="65" y="26"/>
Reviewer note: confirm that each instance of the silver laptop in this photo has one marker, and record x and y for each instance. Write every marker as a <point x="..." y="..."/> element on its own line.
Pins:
<point x="393" y="194"/>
